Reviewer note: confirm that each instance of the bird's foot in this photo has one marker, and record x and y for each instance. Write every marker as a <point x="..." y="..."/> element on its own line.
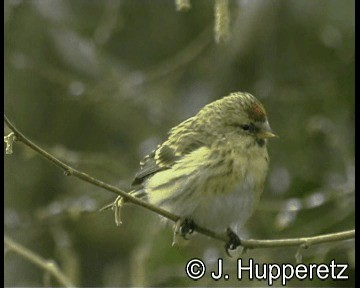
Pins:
<point x="183" y="227"/>
<point x="233" y="243"/>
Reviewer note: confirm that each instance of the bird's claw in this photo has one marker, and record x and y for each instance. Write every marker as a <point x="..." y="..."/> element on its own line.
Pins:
<point x="233" y="242"/>
<point x="183" y="227"/>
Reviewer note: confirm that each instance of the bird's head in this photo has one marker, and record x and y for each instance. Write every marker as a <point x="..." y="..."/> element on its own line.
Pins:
<point x="237" y="115"/>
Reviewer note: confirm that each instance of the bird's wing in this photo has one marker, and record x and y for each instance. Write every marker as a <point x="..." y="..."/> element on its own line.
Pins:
<point x="166" y="155"/>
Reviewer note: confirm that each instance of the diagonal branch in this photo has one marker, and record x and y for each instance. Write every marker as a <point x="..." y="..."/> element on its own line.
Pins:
<point x="250" y="243"/>
<point x="47" y="265"/>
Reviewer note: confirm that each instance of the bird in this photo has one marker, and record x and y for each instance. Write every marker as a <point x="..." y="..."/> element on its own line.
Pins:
<point x="211" y="169"/>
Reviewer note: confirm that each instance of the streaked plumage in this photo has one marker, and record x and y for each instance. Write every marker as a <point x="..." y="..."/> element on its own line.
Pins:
<point x="213" y="166"/>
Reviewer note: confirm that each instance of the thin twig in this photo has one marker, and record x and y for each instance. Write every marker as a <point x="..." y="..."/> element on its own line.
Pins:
<point x="305" y="242"/>
<point x="49" y="266"/>
<point x="250" y="243"/>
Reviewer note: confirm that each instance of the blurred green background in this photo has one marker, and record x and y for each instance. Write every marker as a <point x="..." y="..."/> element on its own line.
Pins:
<point x="99" y="84"/>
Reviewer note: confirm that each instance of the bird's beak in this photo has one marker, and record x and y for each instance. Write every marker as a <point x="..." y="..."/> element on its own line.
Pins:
<point x="266" y="131"/>
<point x="267" y="134"/>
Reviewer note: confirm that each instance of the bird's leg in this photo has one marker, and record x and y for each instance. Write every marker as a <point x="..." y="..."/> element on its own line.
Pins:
<point x="234" y="241"/>
<point x="183" y="227"/>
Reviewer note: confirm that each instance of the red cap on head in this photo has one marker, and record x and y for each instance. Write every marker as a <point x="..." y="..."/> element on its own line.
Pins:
<point x="257" y="112"/>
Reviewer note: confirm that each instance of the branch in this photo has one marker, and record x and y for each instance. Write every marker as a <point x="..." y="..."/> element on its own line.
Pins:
<point x="47" y="265"/>
<point x="250" y="243"/>
<point x="304" y="242"/>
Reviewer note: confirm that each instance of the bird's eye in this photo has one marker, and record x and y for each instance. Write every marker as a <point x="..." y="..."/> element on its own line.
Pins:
<point x="250" y="128"/>
<point x="246" y="127"/>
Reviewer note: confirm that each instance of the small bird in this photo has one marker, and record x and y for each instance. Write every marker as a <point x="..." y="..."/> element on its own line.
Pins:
<point x="211" y="169"/>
